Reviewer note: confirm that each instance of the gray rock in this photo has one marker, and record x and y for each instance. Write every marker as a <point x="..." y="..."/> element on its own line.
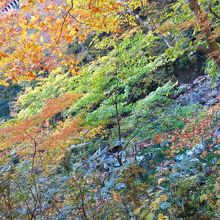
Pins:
<point x="200" y="91"/>
<point x="212" y="102"/>
<point x="205" y="168"/>
<point x="106" y="166"/>
<point x="164" y="205"/>
<point x="179" y="157"/>
<point x="139" y="158"/>
<point x="120" y="186"/>
<point x="116" y="163"/>
<point x="183" y="87"/>
<point x="175" y="176"/>
<point x="198" y="149"/>
<point x="189" y="153"/>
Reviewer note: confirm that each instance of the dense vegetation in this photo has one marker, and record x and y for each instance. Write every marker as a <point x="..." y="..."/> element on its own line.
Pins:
<point x="114" y="109"/>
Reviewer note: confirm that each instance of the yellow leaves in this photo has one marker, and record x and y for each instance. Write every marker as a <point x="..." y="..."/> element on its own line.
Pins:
<point x="203" y="197"/>
<point x="130" y="20"/>
<point x="217" y="152"/>
<point x="134" y="4"/>
<point x="163" y="198"/>
<point x="144" y="214"/>
<point x="155" y="203"/>
<point x="149" y="216"/>
<point x="3" y="83"/>
<point x="33" y="19"/>
<point x="162" y="217"/>
<point x="27" y="6"/>
<point x="137" y="211"/>
<point x="60" y="55"/>
<point x="5" y="60"/>
<point x="217" y="186"/>
<point x="38" y="31"/>
<point x="69" y="2"/>
<point x="218" y="204"/>
<point x="116" y="196"/>
<point x="74" y="71"/>
<point x="41" y="39"/>
<point x="50" y="7"/>
<point x="72" y="30"/>
<point x="161" y="180"/>
<point x="96" y="131"/>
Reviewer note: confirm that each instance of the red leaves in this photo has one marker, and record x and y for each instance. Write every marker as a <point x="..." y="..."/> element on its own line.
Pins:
<point x="196" y="129"/>
<point x="38" y="132"/>
<point x="144" y="144"/>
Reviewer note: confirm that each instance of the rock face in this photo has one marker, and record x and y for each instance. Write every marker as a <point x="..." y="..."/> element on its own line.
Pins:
<point x="187" y="70"/>
<point x="200" y="91"/>
<point x="7" y="96"/>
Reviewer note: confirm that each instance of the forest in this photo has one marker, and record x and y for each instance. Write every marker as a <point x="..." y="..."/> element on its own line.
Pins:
<point x="110" y="110"/>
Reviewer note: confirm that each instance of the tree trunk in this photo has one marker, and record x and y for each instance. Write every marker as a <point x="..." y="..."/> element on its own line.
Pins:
<point x="205" y="24"/>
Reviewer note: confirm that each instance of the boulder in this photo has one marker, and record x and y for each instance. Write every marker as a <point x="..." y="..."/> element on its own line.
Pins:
<point x="200" y="91"/>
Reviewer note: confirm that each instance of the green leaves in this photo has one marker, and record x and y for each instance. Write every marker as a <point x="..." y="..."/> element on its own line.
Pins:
<point x="212" y="69"/>
<point x="144" y="214"/>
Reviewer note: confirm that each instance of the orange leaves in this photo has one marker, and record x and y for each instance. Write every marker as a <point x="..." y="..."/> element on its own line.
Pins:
<point x="163" y="198"/>
<point x="56" y="105"/>
<point x="41" y="31"/>
<point x="116" y="196"/>
<point x="159" y="138"/>
<point x="4" y="3"/>
<point x="66" y="135"/>
<point x="196" y="129"/>
<point x="37" y="131"/>
<point x="96" y="10"/>
<point x="26" y="35"/>
<point x="3" y="55"/>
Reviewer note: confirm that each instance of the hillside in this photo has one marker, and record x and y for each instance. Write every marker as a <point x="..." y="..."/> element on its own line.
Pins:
<point x="110" y="110"/>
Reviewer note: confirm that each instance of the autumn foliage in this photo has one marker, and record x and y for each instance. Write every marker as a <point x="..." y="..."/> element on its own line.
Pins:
<point x="34" y="136"/>
<point x="103" y="127"/>
<point x="35" y="37"/>
<point x="195" y="131"/>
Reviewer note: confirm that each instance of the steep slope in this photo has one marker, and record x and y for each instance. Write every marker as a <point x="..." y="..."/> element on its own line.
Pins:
<point x="123" y="124"/>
